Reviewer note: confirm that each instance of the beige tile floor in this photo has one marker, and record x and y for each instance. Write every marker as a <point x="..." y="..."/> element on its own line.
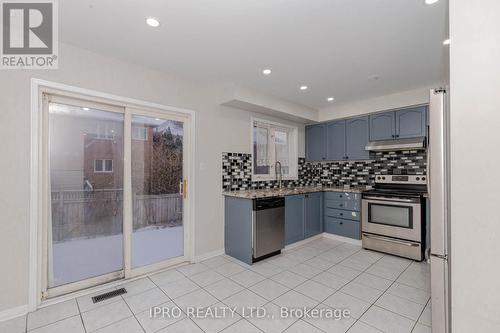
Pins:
<point x="383" y="293"/>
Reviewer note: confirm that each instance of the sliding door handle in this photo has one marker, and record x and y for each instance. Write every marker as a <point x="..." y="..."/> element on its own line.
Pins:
<point x="183" y="188"/>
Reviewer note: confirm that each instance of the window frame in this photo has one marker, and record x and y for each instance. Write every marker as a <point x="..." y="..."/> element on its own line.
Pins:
<point x="104" y="132"/>
<point x="139" y="130"/>
<point x="293" y="133"/>
<point x="103" y="160"/>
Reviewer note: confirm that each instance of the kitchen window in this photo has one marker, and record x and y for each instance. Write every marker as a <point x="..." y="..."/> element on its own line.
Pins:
<point x="103" y="165"/>
<point x="273" y="142"/>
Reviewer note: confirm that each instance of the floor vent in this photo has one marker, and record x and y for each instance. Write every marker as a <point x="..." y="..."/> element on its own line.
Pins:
<point x="108" y="295"/>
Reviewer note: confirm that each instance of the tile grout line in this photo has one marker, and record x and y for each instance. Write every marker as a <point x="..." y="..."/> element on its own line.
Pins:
<point x="325" y="270"/>
<point x="373" y="304"/>
<point x="289" y="289"/>
<point x="56" y="321"/>
<point x="339" y="290"/>
<point x="81" y="317"/>
<point x="302" y="260"/>
<point x="420" y="315"/>
<point x="133" y="314"/>
<point x="171" y="300"/>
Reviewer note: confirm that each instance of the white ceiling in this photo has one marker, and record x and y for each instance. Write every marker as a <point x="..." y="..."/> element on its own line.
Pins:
<point x="332" y="46"/>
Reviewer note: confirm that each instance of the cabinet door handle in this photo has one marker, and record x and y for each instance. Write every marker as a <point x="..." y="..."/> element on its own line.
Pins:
<point x="341" y="205"/>
<point x="341" y="223"/>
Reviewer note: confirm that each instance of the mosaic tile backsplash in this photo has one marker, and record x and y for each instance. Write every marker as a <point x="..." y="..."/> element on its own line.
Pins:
<point x="237" y="170"/>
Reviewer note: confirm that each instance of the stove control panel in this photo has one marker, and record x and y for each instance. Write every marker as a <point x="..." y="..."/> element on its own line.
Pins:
<point x="401" y="179"/>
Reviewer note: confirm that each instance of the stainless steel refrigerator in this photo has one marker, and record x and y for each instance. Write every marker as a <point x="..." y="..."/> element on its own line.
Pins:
<point x="438" y="189"/>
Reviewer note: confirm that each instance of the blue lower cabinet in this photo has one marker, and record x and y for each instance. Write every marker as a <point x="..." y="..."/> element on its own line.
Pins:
<point x="342" y="196"/>
<point x="342" y="227"/>
<point x="343" y="214"/>
<point x="314" y="214"/>
<point x="338" y="204"/>
<point x="238" y="228"/>
<point x="294" y="218"/>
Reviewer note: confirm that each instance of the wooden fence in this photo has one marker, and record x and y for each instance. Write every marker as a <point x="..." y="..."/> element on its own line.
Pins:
<point x="88" y="214"/>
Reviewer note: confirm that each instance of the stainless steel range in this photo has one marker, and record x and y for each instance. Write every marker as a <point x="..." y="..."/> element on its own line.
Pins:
<point x="393" y="216"/>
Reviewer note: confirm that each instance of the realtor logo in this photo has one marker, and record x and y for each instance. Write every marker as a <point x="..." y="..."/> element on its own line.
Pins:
<point x="29" y="34"/>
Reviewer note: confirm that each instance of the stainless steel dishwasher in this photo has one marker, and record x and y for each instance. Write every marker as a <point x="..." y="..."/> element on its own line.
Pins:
<point x="268" y="227"/>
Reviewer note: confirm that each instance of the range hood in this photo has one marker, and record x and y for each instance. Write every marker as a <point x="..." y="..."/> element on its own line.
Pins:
<point x="398" y="144"/>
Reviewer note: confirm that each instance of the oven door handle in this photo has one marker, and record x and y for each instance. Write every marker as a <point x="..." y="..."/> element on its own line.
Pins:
<point x="388" y="199"/>
<point x="391" y="240"/>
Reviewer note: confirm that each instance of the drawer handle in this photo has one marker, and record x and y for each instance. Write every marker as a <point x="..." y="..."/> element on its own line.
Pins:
<point x="341" y="205"/>
<point x="341" y="214"/>
<point x="341" y="222"/>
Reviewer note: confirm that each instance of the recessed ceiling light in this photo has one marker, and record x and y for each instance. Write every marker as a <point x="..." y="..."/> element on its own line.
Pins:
<point x="152" y="22"/>
<point x="330" y="99"/>
<point x="303" y="87"/>
<point x="266" y="71"/>
<point x="85" y="109"/>
<point x="157" y="119"/>
<point x="430" y="2"/>
<point x="446" y="42"/>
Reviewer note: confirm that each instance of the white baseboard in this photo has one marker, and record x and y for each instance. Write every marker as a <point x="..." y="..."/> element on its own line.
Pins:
<point x="209" y="255"/>
<point x="342" y="239"/>
<point x="13" y="313"/>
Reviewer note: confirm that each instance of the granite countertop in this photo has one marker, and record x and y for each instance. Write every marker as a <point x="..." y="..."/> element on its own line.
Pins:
<point x="275" y="192"/>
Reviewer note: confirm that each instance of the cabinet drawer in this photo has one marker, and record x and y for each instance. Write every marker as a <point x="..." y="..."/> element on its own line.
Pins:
<point x="346" y="228"/>
<point x="346" y="204"/>
<point x="342" y="214"/>
<point x="341" y="196"/>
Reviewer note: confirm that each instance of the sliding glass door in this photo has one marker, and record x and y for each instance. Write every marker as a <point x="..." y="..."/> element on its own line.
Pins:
<point x="86" y="193"/>
<point x="116" y="192"/>
<point x="157" y="180"/>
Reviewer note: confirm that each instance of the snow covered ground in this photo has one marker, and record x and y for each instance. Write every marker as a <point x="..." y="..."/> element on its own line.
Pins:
<point x="81" y="259"/>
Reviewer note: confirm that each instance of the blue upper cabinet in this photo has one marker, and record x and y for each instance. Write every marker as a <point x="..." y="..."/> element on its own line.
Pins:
<point x="382" y="126"/>
<point x="411" y="123"/>
<point x="346" y="139"/>
<point x="315" y="142"/>
<point x="357" y="133"/>
<point x="335" y="140"/>
<point x="404" y="123"/>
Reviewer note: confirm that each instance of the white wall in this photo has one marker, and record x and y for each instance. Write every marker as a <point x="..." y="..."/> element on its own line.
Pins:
<point x="475" y="160"/>
<point x="219" y="129"/>
<point x="380" y="103"/>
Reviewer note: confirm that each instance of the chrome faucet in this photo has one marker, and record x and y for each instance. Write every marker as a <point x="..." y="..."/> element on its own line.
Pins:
<point x="279" y="179"/>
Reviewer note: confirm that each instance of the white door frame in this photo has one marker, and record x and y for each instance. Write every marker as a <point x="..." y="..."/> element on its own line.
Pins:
<point x="38" y="87"/>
